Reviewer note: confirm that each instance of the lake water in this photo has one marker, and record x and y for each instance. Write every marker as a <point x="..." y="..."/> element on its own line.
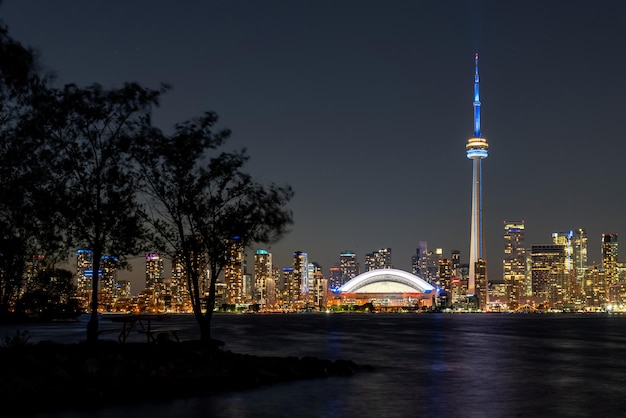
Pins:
<point x="426" y="365"/>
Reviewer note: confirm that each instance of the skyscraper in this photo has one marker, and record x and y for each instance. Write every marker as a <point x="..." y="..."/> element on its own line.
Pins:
<point x="262" y="274"/>
<point x="514" y="262"/>
<point x="609" y="257"/>
<point x="234" y="272"/>
<point x="349" y="267"/>
<point x="380" y="259"/>
<point x="476" y="150"/>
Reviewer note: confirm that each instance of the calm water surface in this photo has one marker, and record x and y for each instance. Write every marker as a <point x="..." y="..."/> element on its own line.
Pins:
<point x="426" y="365"/>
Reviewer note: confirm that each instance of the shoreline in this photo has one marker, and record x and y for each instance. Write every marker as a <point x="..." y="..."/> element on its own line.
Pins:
<point x="49" y="377"/>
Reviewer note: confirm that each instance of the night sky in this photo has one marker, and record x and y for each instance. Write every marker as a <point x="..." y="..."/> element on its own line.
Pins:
<point x="364" y="107"/>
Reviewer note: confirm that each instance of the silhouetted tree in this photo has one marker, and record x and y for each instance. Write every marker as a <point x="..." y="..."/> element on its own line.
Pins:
<point x="198" y="200"/>
<point x="91" y="130"/>
<point x="27" y="222"/>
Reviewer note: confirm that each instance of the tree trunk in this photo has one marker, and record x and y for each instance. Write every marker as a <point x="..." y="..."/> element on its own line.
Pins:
<point x="92" y="325"/>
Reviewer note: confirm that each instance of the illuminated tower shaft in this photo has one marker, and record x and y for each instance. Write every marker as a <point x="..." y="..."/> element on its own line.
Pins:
<point x="476" y="150"/>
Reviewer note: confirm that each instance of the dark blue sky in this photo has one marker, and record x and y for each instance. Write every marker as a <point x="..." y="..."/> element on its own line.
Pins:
<point x="364" y="107"/>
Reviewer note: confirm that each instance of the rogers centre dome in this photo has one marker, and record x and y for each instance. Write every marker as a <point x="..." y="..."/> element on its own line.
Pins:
<point x="388" y="287"/>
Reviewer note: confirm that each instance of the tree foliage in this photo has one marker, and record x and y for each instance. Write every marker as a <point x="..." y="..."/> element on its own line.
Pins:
<point x="91" y="130"/>
<point x="199" y="200"/>
<point x="25" y="228"/>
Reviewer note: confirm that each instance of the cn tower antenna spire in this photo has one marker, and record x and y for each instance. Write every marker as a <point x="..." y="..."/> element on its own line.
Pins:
<point x="476" y="99"/>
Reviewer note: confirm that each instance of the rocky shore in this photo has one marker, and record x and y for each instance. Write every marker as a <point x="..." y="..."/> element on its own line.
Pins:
<point x="47" y="377"/>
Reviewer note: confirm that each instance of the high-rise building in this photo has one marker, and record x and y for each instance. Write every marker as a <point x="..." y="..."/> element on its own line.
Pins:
<point x="566" y="240"/>
<point x="609" y="258"/>
<point x="335" y="279"/>
<point x="455" y="257"/>
<point x="234" y="272"/>
<point x="154" y="271"/>
<point x="290" y="287"/>
<point x="301" y="274"/>
<point x="262" y="274"/>
<point x="445" y="282"/>
<point x="380" y="259"/>
<point x="514" y="263"/>
<point x="476" y="150"/>
<point x="549" y="279"/>
<point x="349" y="267"/>
<point x="594" y="288"/>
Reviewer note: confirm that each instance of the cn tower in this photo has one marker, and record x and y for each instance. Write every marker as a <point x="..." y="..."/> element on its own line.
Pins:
<point x="476" y="150"/>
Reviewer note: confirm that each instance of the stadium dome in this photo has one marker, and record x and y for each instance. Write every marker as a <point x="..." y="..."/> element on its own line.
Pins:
<point x="386" y="281"/>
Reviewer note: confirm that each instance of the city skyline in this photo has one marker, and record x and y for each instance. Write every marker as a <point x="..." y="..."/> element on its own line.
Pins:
<point x="363" y="108"/>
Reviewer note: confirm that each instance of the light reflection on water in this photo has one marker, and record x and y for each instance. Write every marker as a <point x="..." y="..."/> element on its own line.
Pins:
<point x="430" y="365"/>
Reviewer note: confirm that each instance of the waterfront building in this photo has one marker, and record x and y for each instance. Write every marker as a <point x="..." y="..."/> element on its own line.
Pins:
<point x="234" y="271"/>
<point x="290" y="287"/>
<point x="595" y="288"/>
<point x="349" y="268"/>
<point x="335" y="277"/>
<point x="609" y="258"/>
<point x="566" y="240"/>
<point x="300" y="275"/>
<point x="514" y="263"/>
<point x="444" y="282"/>
<point x="455" y="257"/>
<point x="548" y="275"/>
<point x="476" y="150"/>
<point x="387" y="289"/>
<point x="154" y="271"/>
<point x="262" y="274"/>
<point x="380" y="259"/>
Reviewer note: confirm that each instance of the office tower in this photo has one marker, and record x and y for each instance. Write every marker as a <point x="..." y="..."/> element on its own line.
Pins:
<point x="349" y="267"/>
<point x="422" y="260"/>
<point x="609" y="258"/>
<point x="313" y="269"/>
<point x="514" y="262"/>
<point x="290" y="287"/>
<point x="594" y="288"/>
<point x="380" y="259"/>
<point x="445" y="282"/>
<point x="335" y="278"/>
<point x="154" y="271"/>
<point x="123" y="289"/>
<point x="84" y="266"/>
<point x="476" y="150"/>
<point x="262" y="273"/>
<point x="181" y="299"/>
<point x="549" y="279"/>
<point x="234" y="272"/>
<point x="455" y="257"/>
<point x="301" y="273"/>
<point x="107" y="293"/>
<point x="566" y="240"/>
<point x="580" y="249"/>
<point x="154" y="291"/>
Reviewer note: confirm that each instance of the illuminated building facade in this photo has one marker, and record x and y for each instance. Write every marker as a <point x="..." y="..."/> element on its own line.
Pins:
<point x="514" y="263"/>
<point x="234" y="272"/>
<point x="476" y="150"/>
<point x="595" y="288"/>
<point x="445" y="282"/>
<point x="609" y="257"/>
<point x="290" y="287"/>
<point x="566" y="240"/>
<point x="300" y="275"/>
<point x="335" y="279"/>
<point x="387" y="289"/>
<point x="380" y="259"/>
<point x="548" y="274"/>
<point x="154" y="271"/>
<point x="349" y="268"/>
<point x="262" y="274"/>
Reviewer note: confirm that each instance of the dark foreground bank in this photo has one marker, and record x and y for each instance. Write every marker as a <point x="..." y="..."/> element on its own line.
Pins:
<point x="47" y="377"/>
